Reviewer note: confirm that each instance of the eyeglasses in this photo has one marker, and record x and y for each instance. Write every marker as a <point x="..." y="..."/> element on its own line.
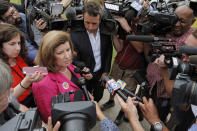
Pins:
<point x="6" y="99"/>
<point x="12" y="13"/>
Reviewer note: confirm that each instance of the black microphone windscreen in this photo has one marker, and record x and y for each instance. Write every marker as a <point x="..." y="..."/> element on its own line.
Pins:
<point x="70" y="13"/>
<point x="78" y="95"/>
<point x="106" y="79"/>
<point x="81" y="65"/>
<point x="142" y="38"/>
<point x="193" y="59"/>
<point x="77" y="70"/>
<point x="139" y="77"/>
<point x="189" y="50"/>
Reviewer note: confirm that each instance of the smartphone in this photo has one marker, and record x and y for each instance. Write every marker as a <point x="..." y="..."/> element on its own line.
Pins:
<point x="32" y="70"/>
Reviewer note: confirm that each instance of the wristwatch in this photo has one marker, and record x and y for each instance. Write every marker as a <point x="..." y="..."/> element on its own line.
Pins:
<point x="158" y="126"/>
<point x="129" y="33"/>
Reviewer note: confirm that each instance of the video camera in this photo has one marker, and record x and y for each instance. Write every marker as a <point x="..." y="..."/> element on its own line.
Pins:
<point x="25" y="121"/>
<point x="160" y="20"/>
<point x="181" y="67"/>
<point x="157" y="23"/>
<point x="158" y="47"/>
<point x="48" y="10"/>
<point x="107" y="25"/>
<point x="125" y="8"/>
<point x="143" y="84"/>
<point x="121" y="7"/>
<point x="78" y="6"/>
<point x="77" y="115"/>
<point x="184" y="89"/>
<point x="175" y="66"/>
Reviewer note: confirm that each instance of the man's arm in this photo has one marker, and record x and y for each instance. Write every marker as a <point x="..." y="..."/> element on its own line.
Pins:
<point x="167" y="82"/>
<point x="164" y="72"/>
<point x="149" y="111"/>
<point x="106" y="124"/>
<point x="118" y="43"/>
<point x="124" y="24"/>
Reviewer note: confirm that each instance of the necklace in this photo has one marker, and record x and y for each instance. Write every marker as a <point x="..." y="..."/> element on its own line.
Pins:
<point x="63" y="72"/>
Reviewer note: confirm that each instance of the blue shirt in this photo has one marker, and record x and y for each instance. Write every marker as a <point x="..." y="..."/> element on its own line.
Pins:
<point x="32" y="51"/>
<point x="193" y="127"/>
<point x="108" y="125"/>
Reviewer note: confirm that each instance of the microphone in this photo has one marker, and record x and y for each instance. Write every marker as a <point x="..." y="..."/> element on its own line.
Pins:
<point x="116" y="87"/>
<point x="79" y="67"/>
<point x="144" y="38"/>
<point x="189" y="50"/>
<point x="60" y="98"/>
<point x="193" y="59"/>
<point x="82" y="82"/>
<point x="79" y="64"/>
<point x="78" y="95"/>
<point x="140" y="79"/>
<point x="113" y="87"/>
<point x="122" y="87"/>
<point x="70" y="13"/>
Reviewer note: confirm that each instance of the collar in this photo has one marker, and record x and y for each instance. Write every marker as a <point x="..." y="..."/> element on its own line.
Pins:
<point x="98" y="31"/>
<point x="59" y="77"/>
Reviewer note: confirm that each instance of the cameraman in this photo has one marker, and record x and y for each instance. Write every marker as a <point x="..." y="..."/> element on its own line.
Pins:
<point x="9" y="110"/>
<point x="192" y="41"/>
<point x="183" y="113"/>
<point x="157" y="75"/>
<point x="129" y="56"/>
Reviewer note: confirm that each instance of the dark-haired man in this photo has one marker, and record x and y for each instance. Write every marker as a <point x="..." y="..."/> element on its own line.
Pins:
<point x="9" y="14"/>
<point x="94" y="48"/>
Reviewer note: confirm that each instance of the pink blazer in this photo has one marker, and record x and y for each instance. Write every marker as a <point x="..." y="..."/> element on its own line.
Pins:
<point x="50" y="86"/>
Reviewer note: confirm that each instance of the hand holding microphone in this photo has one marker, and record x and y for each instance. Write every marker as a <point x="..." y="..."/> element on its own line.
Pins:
<point x="129" y="107"/>
<point x="87" y="75"/>
<point x="83" y="70"/>
<point x="117" y="87"/>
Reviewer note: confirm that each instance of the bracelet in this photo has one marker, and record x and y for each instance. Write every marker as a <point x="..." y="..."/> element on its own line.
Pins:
<point x="23" y="86"/>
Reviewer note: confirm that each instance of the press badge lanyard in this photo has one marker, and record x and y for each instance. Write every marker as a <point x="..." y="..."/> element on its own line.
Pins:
<point x="16" y="71"/>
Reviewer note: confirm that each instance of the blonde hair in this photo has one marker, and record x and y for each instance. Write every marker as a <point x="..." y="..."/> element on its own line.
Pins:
<point x="6" y="79"/>
<point x="47" y="48"/>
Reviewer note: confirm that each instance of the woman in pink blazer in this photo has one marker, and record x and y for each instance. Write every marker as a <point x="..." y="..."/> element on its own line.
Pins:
<point x="55" y="53"/>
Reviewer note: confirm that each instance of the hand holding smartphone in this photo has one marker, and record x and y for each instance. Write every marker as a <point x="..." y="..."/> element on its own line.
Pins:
<point x="32" y="70"/>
